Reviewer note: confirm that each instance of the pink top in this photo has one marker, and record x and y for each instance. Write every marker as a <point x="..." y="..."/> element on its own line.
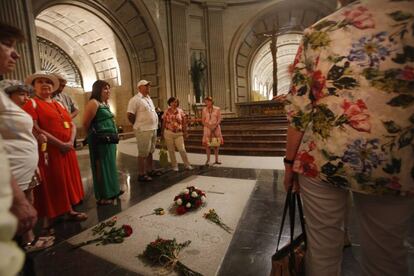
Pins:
<point x="211" y="119"/>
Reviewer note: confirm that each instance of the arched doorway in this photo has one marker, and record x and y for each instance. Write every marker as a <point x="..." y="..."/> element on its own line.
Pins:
<point x="114" y="41"/>
<point x="249" y="66"/>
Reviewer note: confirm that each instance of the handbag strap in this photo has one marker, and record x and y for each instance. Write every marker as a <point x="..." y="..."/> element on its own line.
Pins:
<point x="285" y="209"/>
<point x="301" y="216"/>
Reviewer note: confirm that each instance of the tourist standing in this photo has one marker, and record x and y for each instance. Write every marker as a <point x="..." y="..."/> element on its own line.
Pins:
<point x="63" y="98"/>
<point x="351" y="115"/>
<point x="17" y="215"/>
<point x="174" y="128"/>
<point x="98" y="118"/>
<point x="62" y="185"/>
<point x="141" y="113"/>
<point x="212" y="137"/>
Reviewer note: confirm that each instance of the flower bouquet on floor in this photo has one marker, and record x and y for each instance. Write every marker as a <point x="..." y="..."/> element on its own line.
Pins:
<point x="215" y="218"/>
<point x="164" y="253"/>
<point x="190" y="199"/>
<point x="107" y="233"/>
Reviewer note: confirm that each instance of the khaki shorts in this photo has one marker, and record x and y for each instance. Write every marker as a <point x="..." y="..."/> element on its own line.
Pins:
<point x="146" y="141"/>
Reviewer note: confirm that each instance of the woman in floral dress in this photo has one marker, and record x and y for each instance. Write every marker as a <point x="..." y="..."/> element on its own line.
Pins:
<point x="351" y="114"/>
<point x="211" y="119"/>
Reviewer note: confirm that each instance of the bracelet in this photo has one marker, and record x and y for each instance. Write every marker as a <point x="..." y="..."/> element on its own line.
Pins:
<point x="288" y="161"/>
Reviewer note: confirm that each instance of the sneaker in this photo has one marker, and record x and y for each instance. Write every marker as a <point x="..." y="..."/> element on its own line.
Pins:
<point x="189" y="167"/>
<point x="175" y="169"/>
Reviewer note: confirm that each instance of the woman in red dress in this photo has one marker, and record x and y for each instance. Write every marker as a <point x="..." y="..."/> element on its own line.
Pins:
<point x="62" y="185"/>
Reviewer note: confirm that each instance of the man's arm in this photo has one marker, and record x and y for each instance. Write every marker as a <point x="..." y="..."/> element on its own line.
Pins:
<point x="22" y="209"/>
<point x="131" y="118"/>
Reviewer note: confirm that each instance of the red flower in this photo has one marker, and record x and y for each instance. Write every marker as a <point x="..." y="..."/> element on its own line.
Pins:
<point x="317" y="84"/>
<point x="305" y="164"/>
<point x="359" y="18"/>
<point x="355" y="113"/>
<point x="407" y="74"/>
<point x="181" y="210"/>
<point x="187" y="196"/>
<point x="198" y="203"/>
<point x="394" y="183"/>
<point x="297" y="58"/>
<point x="127" y="230"/>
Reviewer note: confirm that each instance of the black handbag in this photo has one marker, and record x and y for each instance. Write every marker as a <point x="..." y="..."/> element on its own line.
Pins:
<point x="290" y="259"/>
<point x="103" y="137"/>
<point x="106" y="138"/>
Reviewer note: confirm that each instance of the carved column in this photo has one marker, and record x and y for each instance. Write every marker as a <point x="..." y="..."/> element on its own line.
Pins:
<point x="216" y="66"/>
<point x="178" y="49"/>
<point x="19" y="13"/>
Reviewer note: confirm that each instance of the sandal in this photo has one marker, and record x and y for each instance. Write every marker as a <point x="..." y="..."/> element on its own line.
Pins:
<point x="76" y="216"/>
<point x="47" y="232"/>
<point x="217" y="162"/>
<point x="154" y="173"/>
<point x="39" y="243"/>
<point x="144" y="178"/>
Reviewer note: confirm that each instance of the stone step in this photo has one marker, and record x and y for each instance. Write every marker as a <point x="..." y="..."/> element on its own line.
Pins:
<point x="243" y="136"/>
<point x="241" y="130"/>
<point x="243" y="144"/>
<point x="252" y="151"/>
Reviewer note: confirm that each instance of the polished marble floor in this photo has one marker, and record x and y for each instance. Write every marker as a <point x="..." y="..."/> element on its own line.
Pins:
<point x="250" y="250"/>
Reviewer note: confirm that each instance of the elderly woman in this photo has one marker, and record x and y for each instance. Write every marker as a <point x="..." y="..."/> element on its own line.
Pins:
<point x="212" y="138"/>
<point x="174" y="128"/>
<point x="62" y="184"/>
<point x="21" y="148"/>
<point x="98" y="118"/>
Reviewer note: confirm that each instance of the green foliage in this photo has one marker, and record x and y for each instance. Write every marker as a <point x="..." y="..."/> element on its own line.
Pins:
<point x="400" y="15"/>
<point x="393" y="167"/>
<point x="403" y="100"/>
<point x="391" y="127"/>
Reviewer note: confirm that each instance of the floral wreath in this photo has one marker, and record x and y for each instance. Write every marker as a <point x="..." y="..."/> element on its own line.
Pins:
<point x="190" y="199"/>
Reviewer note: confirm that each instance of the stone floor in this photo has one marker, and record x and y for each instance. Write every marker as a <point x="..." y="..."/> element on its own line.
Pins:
<point x="250" y="250"/>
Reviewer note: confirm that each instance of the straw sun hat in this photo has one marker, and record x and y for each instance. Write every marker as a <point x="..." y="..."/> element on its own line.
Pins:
<point x="43" y="74"/>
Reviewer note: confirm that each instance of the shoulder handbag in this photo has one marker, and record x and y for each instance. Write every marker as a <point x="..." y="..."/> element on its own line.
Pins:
<point x="104" y="137"/>
<point x="290" y="259"/>
<point x="163" y="155"/>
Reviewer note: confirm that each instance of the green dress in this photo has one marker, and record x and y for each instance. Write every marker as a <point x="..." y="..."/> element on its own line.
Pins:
<point x="103" y="156"/>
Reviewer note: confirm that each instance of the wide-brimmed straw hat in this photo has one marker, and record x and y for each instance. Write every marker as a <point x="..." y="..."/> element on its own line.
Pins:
<point x="43" y="74"/>
<point x="11" y="86"/>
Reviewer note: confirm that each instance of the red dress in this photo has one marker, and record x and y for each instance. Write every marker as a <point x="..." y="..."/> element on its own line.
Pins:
<point x="62" y="185"/>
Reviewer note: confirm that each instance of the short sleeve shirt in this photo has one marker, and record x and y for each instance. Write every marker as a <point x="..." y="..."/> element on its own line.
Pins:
<point x="143" y="108"/>
<point x="173" y="120"/>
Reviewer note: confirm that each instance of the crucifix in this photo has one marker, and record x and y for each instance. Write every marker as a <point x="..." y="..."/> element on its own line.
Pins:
<point x="273" y="50"/>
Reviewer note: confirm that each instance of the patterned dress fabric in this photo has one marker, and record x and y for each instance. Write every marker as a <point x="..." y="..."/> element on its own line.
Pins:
<point x="61" y="185"/>
<point x="211" y="119"/>
<point x="352" y="95"/>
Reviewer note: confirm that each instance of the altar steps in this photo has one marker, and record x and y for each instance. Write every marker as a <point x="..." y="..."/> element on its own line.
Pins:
<point x="251" y="136"/>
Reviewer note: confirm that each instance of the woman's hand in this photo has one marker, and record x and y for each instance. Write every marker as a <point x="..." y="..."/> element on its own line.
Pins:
<point x="291" y="179"/>
<point x="65" y="147"/>
<point x="41" y="139"/>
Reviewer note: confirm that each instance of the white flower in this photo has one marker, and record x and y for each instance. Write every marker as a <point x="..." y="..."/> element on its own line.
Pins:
<point x="179" y="201"/>
<point x="194" y="194"/>
<point x="186" y="191"/>
<point x="195" y="188"/>
<point x="188" y="205"/>
<point x="203" y="199"/>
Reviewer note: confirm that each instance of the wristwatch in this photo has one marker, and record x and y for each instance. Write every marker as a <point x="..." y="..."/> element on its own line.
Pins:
<point x="288" y="161"/>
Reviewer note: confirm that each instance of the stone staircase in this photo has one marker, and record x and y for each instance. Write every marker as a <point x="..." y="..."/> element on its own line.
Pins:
<point x="254" y="136"/>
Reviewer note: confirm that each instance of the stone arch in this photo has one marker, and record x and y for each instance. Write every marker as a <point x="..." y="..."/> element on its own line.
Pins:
<point x="275" y="17"/>
<point x="137" y="35"/>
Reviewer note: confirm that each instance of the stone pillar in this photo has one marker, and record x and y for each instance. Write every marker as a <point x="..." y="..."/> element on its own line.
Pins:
<point x="178" y="50"/>
<point x="19" y="13"/>
<point x="216" y="65"/>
